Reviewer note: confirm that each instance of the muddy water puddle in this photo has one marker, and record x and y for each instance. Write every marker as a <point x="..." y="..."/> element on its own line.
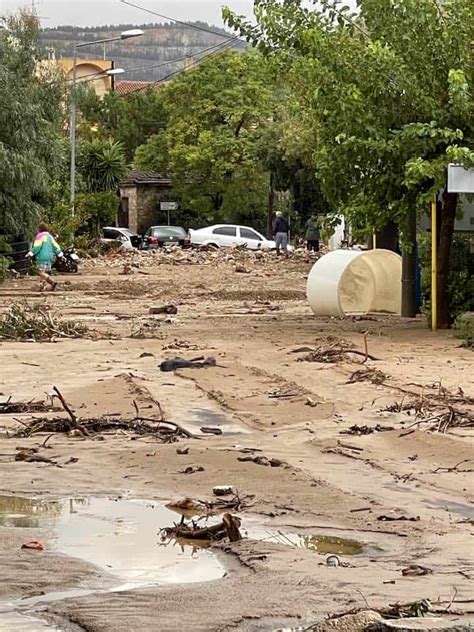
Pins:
<point x="120" y="536"/>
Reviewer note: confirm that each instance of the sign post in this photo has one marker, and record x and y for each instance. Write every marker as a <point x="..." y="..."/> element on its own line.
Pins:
<point x="168" y="207"/>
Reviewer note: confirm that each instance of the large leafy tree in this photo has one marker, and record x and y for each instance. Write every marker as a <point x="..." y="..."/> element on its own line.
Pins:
<point x="31" y="120"/>
<point x="215" y="115"/>
<point x="127" y="119"/>
<point x="388" y="91"/>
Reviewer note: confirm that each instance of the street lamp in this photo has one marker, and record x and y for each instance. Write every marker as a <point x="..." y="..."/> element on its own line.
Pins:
<point x="73" y="119"/>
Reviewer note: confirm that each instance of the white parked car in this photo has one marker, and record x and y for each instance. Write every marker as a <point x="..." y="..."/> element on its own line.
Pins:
<point x="231" y="235"/>
<point x="126" y="237"/>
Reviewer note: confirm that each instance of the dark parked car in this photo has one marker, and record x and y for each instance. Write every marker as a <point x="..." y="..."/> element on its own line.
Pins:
<point x="158" y="236"/>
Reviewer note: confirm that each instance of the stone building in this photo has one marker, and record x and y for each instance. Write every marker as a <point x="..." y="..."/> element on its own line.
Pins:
<point x="140" y="196"/>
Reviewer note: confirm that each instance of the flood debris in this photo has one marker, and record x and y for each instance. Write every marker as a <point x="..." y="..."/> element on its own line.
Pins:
<point x="179" y="363"/>
<point x="24" y="321"/>
<point x="363" y="430"/>
<point x="262" y="460"/>
<point x="368" y="374"/>
<point x="192" y="469"/>
<point x="164" y="309"/>
<point x="10" y="407"/>
<point x="398" y="518"/>
<point x="237" y="503"/>
<point x="33" y="545"/>
<point x="143" y="328"/>
<point x="416" y="570"/>
<point x="228" y="527"/>
<point x="30" y="455"/>
<point x="159" y="428"/>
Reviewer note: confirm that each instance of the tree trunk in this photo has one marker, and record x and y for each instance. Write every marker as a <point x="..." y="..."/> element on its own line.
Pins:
<point x="271" y="205"/>
<point x="409" y="269"/>
<point x="446" y="232"/>
<point x="388" y="237"/>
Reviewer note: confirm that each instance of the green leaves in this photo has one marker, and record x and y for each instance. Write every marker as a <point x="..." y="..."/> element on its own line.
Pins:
<point x="31" y="123"/>
<point x="101" y="164"/>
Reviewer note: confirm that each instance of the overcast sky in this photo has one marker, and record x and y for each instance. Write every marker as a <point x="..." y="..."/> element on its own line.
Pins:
<point x="99" y="12"/>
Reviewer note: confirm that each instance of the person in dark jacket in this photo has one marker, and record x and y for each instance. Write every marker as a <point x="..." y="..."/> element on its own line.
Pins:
<point x="312" y="234"/>
<point x="281" y="229"/>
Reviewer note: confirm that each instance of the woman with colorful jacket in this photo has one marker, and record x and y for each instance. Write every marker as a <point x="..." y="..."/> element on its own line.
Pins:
<point x="45" y="250"/>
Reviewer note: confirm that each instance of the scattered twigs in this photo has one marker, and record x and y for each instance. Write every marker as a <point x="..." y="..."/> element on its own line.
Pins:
<point x="368" y="375"/>
<point x="14" y="408"/>
<point x="454" y="468"/>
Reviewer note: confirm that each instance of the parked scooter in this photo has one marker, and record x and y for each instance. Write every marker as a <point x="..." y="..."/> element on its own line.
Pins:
<point x="69" y="262"/>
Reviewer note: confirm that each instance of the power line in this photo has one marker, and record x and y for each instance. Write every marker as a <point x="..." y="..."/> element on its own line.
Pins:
<point x="219" y="48"/>
<point x="186" y="24"/>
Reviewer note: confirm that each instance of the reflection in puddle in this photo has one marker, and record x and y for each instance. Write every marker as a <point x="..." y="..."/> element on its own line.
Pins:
<point x="120" y="536"/>
<point x="322" y="544"/>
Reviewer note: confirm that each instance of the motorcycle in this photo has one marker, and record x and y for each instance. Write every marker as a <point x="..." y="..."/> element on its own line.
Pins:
<point x="68" y="263"/>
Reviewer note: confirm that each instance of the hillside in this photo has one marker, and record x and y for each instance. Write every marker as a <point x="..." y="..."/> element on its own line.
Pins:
<point x="160" y="43"/>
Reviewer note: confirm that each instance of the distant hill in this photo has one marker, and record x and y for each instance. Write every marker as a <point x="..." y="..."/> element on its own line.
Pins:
<point x="160" y="43"/>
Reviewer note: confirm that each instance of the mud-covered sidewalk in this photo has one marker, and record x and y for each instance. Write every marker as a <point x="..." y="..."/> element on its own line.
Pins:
<point x="331" y="450"/>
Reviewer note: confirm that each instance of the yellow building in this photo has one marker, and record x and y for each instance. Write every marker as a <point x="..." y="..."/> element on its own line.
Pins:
<point x="85" y="71"/>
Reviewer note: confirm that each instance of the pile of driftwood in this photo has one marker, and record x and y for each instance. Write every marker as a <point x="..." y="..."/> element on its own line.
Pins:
<point x="228" y="527"/>
<point x="437" y="408"/>
<point x="161" y="429"/>
<point x="336" y="351"/>
<point x="23" y="321"/>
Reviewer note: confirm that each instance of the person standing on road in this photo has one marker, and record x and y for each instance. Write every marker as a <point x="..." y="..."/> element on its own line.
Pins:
<point x="45" y="250"/>
<point x="281" y="229"/>
<point x="312" y="234"/>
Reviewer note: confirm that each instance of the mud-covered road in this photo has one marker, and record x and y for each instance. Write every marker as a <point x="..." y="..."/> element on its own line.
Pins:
<point x="361" y="468"/>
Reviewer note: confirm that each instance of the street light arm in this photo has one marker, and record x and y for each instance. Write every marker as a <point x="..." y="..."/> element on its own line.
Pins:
<point x="101" y="41"/>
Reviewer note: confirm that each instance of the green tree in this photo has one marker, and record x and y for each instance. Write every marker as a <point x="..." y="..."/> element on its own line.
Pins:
<point x="127" y="119"/>
<point x="101" y="165"/>
<point x="32" y="117"/>
<point x="389" y="94"/>
<point x="215" y="114"/>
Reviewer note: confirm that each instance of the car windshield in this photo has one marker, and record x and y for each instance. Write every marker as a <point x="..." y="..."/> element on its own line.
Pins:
<point x="169" y="231"/>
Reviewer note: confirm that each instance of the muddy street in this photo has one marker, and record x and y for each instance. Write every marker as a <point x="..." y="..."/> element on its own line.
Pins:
<point x="350" y="467"/>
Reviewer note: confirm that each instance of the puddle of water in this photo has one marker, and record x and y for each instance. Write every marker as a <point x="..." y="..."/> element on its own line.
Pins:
<point x="319" y="543"/>
<point x="16" y="622"/>
<point x="467" y="511"/>
<point x="118" y="535"/>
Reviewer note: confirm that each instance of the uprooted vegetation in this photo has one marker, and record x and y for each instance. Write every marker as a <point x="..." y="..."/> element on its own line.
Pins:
<point x="24" y="321"/>
<point x="437" y="408"/>
<point x="157" y="427"/>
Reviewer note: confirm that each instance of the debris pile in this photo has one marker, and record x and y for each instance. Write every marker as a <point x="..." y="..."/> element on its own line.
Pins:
<point x="131" y="261"/>
<point x="437" y="408"/>
<point x="158" y="428"/>
<point x="228" y="527"/>
<point x="23" y="321"/>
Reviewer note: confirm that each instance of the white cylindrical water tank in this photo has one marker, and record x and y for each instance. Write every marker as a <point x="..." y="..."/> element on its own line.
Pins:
<point x="355" y="282"/>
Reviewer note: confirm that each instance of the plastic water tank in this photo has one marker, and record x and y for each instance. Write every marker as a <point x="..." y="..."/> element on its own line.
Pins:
<point x="355" y="282"/>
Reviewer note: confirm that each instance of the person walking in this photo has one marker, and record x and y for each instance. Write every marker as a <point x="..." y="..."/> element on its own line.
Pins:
<point x="45" y="250"/>
<point x="281" y="229"/>
<point x="312" y="234"/>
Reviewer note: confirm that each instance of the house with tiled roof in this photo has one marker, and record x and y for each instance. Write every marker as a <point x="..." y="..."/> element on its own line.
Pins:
<point x="128" y="87"/>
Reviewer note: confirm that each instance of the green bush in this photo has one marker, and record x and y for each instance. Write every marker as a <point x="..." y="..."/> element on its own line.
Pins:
<point x="464" y="327"/>
<point x="461" y="275"/>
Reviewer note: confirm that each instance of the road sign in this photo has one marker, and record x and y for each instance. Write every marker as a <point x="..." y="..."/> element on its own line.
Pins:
<point x="169" y="206"/>
<point x="460" y="180"/>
